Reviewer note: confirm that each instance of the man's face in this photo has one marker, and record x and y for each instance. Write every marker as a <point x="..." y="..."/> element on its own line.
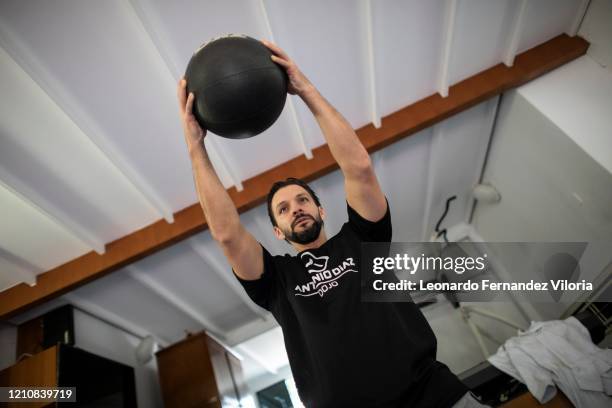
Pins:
<point x="298" y="218"/>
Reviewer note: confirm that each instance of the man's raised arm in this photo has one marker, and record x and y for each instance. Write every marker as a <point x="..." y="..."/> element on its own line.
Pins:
<point x="241" y="249"/>
<point x="363" y="191"/>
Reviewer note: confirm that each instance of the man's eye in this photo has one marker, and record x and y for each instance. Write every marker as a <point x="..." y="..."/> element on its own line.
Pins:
<point x="304" y="199"/>
<point x="282" y="210"/>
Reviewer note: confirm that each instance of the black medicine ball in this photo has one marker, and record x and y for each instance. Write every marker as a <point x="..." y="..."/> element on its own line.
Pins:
<point x="239" y="91"/>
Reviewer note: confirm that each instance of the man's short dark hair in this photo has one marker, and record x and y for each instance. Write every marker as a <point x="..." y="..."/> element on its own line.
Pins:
<point x="287" y="182"/>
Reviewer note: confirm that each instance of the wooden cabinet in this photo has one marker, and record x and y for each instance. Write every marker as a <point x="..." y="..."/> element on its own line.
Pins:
<point x="98" y="381"/>
<point x="200" y="372"/>
<point x="39" y="370"/>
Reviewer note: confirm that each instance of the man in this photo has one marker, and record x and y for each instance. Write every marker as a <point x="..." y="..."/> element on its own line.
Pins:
<point x="343" y="353"/>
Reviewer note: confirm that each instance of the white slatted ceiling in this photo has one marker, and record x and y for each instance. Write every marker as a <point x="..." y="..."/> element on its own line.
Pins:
<point x="403" y="176"/>
<point x="269" y="347"/>
<point x="481" y="34"/>
<point x="545" y="19"/>
<point x="325" y="39"/>
<point x="125" y="297"/>
<point x="14" y="272"/>
<point x="407" y="42"/>
<point x="186" y="274"/>
<point x="98" y="63"/>
<point x="51" y="162"/>
<point x="30" y="235"/>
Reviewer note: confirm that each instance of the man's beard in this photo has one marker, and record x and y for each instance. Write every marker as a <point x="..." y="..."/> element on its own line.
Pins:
<point x="306" y="235"/>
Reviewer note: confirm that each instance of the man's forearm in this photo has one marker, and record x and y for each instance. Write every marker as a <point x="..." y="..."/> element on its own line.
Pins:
<point x="342" y="140"/>
<point x="221" y="214"/>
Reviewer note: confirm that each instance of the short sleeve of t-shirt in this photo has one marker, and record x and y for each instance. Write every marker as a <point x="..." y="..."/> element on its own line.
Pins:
<point x="370" y="231"/>
<point x="263" y="290"/>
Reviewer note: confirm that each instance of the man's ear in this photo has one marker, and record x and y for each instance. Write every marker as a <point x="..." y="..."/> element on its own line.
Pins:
<point x="278" y="233"/>
<point x="322" y="213"/>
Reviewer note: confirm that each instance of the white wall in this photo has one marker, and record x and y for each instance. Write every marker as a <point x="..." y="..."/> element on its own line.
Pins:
<point x="550" y="160"/>
<point x="551" y="153"/>
<point x="551" y="189"/>
<point x="100" y="338"/>
<point x="596" y="28"/>
<point x="457" y="346"/>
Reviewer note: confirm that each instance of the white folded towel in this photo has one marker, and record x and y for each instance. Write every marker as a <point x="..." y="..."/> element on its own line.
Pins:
<point x="559" y="353"/>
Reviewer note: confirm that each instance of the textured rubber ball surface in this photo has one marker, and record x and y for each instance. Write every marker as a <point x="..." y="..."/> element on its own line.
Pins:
<point x="239" y="91"/>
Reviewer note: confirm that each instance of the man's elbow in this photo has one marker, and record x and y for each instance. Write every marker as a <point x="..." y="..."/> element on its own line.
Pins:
<point x="226" y="235"/>
<point x="360" y="168"/>
<point x="223" y="239"/>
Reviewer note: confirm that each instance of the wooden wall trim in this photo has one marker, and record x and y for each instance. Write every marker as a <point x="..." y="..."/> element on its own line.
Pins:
<point x="398" y="125"/>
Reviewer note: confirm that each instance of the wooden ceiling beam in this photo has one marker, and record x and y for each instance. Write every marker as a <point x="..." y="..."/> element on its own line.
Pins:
<point x="398" y="125"/>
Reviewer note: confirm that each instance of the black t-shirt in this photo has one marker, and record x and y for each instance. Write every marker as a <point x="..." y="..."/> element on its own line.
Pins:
<point x="344" y="352"/>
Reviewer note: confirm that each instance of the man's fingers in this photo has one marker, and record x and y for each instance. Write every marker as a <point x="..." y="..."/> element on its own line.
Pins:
<point x="276" y="49"/>
<point x="281" y="61"/>
<point x="189" y="105"/>
<point x="181" y="94"/>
